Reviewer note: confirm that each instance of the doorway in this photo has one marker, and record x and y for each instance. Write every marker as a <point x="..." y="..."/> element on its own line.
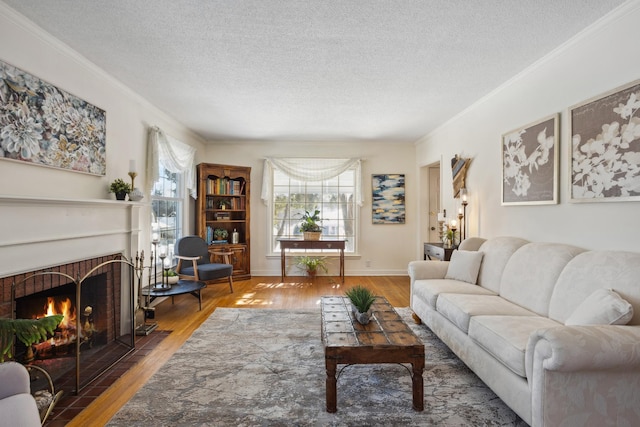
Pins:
<point x="430" y="202"/>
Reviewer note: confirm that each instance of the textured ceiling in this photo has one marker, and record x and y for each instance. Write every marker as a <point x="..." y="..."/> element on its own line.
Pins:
<point x="390" y="70"/>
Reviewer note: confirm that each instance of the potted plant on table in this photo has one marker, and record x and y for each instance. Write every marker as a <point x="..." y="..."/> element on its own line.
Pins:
<point x="310" y="225"/>
<point x="361" y="300"/>
<point x="311" y="264"/>
<point x="120" y="188"/>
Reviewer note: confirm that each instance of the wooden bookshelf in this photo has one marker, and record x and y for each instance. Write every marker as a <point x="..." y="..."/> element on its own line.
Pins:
<point x="223" y="203"/>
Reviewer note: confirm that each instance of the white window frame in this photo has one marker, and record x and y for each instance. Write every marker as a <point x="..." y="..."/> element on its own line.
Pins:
<point x="352" y="241"/>
<point x="166" y="241"/>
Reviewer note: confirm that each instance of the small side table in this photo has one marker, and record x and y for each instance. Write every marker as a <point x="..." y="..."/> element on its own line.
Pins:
<point x="182" y="287"/>
<point x="438" y="251"/>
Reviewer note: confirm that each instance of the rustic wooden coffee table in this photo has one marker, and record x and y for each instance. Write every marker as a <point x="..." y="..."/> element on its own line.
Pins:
<point x="386" y="339"/>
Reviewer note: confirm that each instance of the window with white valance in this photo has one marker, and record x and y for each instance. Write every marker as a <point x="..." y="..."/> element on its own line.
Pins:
<point x="174" y="156"/>
<point x="292" y="186"/>
<point x="170" y="168"/>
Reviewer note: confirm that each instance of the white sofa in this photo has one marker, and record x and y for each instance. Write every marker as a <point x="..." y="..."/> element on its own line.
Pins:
<point x="534" y="325"/>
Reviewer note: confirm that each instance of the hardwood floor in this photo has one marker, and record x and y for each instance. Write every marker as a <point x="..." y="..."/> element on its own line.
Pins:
<point x="182" y="318"/>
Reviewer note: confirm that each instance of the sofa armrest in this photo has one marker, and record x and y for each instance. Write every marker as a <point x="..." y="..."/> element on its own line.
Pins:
<point x="427" y="270"/>
<point x="14" y="379"/>
<point x="584" y="375"/>
<point x="579" y="348"/>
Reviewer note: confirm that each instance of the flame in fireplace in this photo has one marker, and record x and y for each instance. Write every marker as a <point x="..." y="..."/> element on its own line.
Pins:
<point x="65" y="308"/>
<point x="66" y="333"/>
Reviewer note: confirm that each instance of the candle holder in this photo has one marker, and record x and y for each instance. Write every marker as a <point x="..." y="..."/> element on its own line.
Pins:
<point x="162" y="285"/>
<point x="133" y="177"/>
<point x="135" y="195"/>
<point x="464" y="195"/>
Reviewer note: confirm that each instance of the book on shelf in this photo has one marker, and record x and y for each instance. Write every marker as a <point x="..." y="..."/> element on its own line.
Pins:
<point x="225" y="186"/>
<point x="219" y="242"/>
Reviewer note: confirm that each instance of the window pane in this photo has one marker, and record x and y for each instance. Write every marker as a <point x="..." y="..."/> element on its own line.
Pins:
<point x="166" y="206"/>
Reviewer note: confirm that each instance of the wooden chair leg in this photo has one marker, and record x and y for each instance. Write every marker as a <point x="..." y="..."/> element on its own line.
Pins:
<point x="231" y="283"/>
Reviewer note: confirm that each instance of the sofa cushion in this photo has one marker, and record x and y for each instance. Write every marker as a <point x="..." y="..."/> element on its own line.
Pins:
<point x="602" y="307"/>
<point x="464" y="266"/>
<point x="532" y="272"/>
<point x="593" y="270"/>
<point x="459" y="308"/>
<point x="506" y="337"/>
<point x="428" y="290"/>
<point x="497" y="252"/>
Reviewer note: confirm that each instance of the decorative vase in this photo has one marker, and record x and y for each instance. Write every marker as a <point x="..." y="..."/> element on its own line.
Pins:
<point x="362" y="318"/>
<point x="136" y="195"/>
<point x="311" y="235"/>
<point x="121" y="195"/>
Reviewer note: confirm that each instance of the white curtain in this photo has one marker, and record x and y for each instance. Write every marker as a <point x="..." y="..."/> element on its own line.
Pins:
<point x="175" y="156"/>
<point x="308" y="169"/>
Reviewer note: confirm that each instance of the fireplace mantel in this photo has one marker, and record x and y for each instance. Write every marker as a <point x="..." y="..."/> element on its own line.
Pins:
<point x="38" y="232"/>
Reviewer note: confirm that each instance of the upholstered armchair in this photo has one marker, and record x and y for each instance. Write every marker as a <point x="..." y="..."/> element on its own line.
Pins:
<point x="194" y="261"/>
<point x="17" y="405"/>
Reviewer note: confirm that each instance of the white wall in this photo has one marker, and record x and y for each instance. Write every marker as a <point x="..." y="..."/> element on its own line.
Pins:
<point x="28" y="47"/>
<point x="603" y="57"/>
<point x="389" y="247"/>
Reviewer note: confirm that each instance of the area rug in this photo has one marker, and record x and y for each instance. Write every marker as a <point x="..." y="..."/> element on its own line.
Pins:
<point x="265" y="367"/>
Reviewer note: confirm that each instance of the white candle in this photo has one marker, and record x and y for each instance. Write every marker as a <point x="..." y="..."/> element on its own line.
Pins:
<point x="464" y="197"/>
<point x="132" y="165"/>
<point x="460" y="211"/>
<point x="454" y="223"/>
<point x="154" y="237"/>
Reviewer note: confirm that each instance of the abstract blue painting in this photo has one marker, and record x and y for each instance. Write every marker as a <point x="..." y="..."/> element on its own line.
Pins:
<point x="388" y="205"/>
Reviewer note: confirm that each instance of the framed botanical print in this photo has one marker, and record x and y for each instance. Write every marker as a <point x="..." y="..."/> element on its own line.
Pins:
<point x="44" y="125"/>
<point x="605" y="147"/>
<point x="530" y="163"/>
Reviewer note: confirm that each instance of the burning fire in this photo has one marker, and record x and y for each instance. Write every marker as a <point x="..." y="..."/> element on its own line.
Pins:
<point x="66" y="332"/>
<point x="65" y="309"/>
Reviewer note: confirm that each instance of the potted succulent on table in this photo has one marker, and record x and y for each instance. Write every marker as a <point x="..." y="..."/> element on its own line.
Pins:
<point x="311" y="264"/>
<point x="310" y="225"/>
<point x="361" y="300"/>
<point x="120" y="188"/>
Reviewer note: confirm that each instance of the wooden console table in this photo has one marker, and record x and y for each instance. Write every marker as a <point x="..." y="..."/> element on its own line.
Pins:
<point x="311" y="244"/>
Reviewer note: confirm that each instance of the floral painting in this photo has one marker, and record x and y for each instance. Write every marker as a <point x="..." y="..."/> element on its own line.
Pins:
<point x="388" y="199"/>
<point x="530" y="163"/>
<point x="605" y="147"/>
<point x="44" y="125"/>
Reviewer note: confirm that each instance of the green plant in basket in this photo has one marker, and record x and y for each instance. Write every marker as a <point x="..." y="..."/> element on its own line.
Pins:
<point x="310" y="222"/>
<point x="361" y="298"/>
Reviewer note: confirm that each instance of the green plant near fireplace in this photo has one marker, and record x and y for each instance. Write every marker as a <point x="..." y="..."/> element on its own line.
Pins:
<point x="28" y="331"/>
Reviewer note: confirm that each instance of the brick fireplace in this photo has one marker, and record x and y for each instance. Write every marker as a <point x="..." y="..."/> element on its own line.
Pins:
<point x="93" y="339"/>
<point x="70" y="237"/>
